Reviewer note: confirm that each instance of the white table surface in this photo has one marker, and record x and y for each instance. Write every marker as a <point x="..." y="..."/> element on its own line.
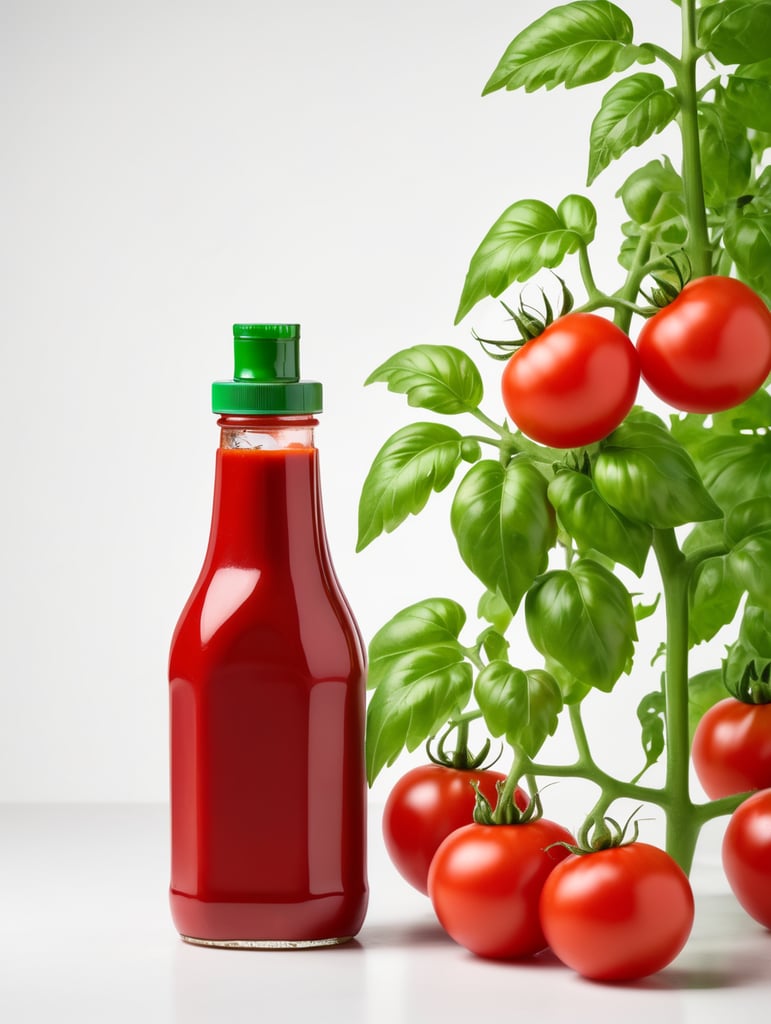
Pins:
<point x="85" y="935"/>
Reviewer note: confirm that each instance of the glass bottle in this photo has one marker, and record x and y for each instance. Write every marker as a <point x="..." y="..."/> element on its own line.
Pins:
<point x="267" y="678"/>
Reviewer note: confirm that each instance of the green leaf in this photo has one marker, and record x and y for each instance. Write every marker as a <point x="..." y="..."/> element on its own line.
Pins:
<point x="755" y="631"/>
<point x="750" y="565"/>
<point x="737" y="31"/>
<point x="583" y="619"/>
<point x="494" y="610"/>
<point x="573" y="690"/>
<point x="437" y="377"/>
<point x="522" y="706"/>
<point x="713" y="599"/>
<point x="653" y="197"/>
<point x="527" y="237"/>
<point x="503" y="525"/>
<point x="747" y="237"/>
<point x="748" y="95"/>
<point x="631" y="112"/>
<point x="704" y="690"/>
<point x="726" y="155"/>
<point x="644" y="611"/>
<point x="420" y="676"/>
<point x="570" y="45"/>
<point x="653" y="194"/>
<point x="650" y="714"/>
<point x="748" y="517"/>
<point x="735" y="467"/>
<point x="493" y="643"/>
<point x="415" y="461"/>
<point x="595" y="525"/>
<point x="642" y="471"/>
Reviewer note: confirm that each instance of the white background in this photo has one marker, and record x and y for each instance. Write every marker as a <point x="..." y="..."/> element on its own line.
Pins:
<point x="169" y="169"/>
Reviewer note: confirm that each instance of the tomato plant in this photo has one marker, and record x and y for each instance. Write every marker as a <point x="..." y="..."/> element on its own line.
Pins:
<point x="425" y="805"/>
<point x="572" y="384"/>
<point x="710" y="348"/>
<point x="747" y="855"/>
<point x="579" y="514"/>
<point x="485" y="882"/>
<point x="732" y="748"/>
<point x="617" y="914"/>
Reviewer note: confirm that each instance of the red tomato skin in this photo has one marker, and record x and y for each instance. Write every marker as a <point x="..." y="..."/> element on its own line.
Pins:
<point x="747" y="855"/>
<point x="732" y="748"/>
<point x="709" y="349"/>
<point x="425" y="806"/>
<point x="574" y="383"/>
<point x="617" y="914"/>
<point x="485" y="882"/>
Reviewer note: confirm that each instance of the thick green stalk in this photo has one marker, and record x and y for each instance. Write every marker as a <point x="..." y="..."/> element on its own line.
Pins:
<point x="682" y="821"/>
<point x="699" y="248"/>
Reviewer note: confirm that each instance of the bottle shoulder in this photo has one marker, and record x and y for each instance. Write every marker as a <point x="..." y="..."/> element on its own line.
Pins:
<point x="239" y="613"/>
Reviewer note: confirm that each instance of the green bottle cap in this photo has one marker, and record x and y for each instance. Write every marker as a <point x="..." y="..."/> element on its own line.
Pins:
<point x="266" y="380"/>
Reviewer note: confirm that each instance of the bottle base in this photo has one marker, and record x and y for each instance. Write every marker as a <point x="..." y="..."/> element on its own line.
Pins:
<point x="265" y="943"/>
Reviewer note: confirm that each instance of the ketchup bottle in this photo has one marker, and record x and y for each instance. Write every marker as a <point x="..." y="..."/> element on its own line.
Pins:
<point x="267" y="677"/>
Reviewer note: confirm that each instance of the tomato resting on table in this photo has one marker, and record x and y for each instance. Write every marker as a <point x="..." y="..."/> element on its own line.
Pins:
<point x="425" y="806"/>
<point x="572" y="384"/>
<point x="617" y="914"/>
<point x="709" y="349"/>
<point x="747" y="855"/>
<point x="732" y="748"/>
<point x="485" y="882"/>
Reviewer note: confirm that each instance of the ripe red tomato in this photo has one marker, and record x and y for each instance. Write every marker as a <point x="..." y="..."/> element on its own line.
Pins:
<point x="710" y="348"/>
<point x="732" y="748"/>
<point x="425" y="806"/>
<point x="617" y="914"/>
<point x="574" y="383"/>
<point x="485" y="882"/>
<point x="747" y="855"/>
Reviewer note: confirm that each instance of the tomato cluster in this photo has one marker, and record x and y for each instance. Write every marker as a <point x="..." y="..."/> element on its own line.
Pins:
<point x="508" y="891"/>
<point x="573" y="384"/>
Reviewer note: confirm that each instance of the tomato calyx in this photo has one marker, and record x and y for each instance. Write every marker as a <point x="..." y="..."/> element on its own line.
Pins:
<point x="530" y="322"/>
<point x="600" y="832"/>
<point x="461" y="758"/>
<point x="669" y="282"/>
<point x="506" y="810"/>
<point x="754" y="684"/>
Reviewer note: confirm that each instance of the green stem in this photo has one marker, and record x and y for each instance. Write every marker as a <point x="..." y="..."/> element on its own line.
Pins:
<point x="484" y="439"/>
<point x="519" y="766"/>
<point x="682" y="822"/>
<point x="699" y="243"/>
<point x="495" y="427"/>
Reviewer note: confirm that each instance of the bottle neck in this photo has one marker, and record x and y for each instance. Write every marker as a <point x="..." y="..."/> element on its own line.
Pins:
<point x="268" y="433"/>
<point x="267" y="502"/>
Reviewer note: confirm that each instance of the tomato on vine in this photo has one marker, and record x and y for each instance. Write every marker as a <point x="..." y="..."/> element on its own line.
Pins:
<point x="426" y="805"/>
<point x="619" y="913"/>
<point x="485" y="882"/>
<point x="747" y="855"/>
<point x="710" y="348"/>
<point x="574" y="383"/>
<point x="732" y="748"/>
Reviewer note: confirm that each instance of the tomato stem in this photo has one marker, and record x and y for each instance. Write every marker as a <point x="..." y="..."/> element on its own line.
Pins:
<point x="688" y="118"/>
<point x="682" y="824"/>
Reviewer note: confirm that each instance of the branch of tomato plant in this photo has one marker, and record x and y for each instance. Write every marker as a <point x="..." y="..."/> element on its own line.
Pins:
<point x="688" y="120"/>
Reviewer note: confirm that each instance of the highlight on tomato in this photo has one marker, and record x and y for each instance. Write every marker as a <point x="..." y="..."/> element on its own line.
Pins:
<point x="574" y="383"/>
<point x="617" y="914"/>
<point x="485" y="884"/>
<point x="746" y="854"/>
<point x="426" y="805"/>
<point x="731" y="749"/>
<point x="710" y="348"/>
